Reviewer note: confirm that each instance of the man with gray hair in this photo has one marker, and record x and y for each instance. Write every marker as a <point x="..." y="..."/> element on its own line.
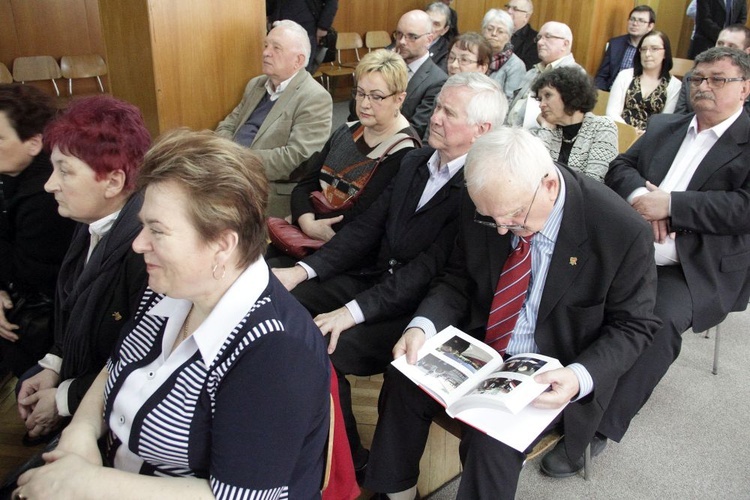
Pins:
<point x="284" y="115"/>
<point x="588" y="287"/>
<point x="440" y="15"/>
<point x="363" y="285"/>
<point x="688" y="177"/>
<point x="554" y="45"/>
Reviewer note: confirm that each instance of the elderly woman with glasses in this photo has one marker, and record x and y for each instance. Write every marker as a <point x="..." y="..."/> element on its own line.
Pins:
<point x="469" y="52"/>
<point x="361" y="157"/>
<point x="647" y="88"/>
<point x="220" y="387"/>
<point x="505" y="68"/>
<point x="572" y="133"/>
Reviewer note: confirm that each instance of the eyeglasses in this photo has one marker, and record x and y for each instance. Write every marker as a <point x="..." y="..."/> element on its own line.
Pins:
<point x="494" y="30"/>
<point x="483" y="220"/>
<point x="462" y="61"/>
<point x="511" y="8"/>
<point x="547" y="36"/>
<point x="374" y="98"/>
<point x="398" y="35"/>
<point x="714" y="82"/>
<point x="635" y="20"/>
<point x="645" y="50"/>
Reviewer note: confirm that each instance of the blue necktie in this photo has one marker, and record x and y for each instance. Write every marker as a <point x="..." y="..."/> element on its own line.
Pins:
<point x="729" y="13"/>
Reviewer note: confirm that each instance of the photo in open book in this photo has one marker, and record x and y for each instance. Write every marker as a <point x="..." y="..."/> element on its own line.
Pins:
<point x="523" y="365"/>
<point x="465" y="353"/>
<point x="496" y="385"/>
<point x="448" y="376"/>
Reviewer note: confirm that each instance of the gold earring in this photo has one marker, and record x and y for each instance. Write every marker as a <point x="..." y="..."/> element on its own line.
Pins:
<point x="223" y="272"/>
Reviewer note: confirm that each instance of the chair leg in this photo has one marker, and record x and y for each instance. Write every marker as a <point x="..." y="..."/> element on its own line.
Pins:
<point x="587" y="463"/>
<point x="715" y="368"/>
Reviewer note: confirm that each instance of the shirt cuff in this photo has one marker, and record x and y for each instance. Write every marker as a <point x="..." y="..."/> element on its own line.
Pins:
<point x="356" y="312"/>
<point x="423" y="324"/>
<point x="635" y="194"/>
<point x="61" y="398"/>
<point x="51" y="362"/>
<point x="585" y="382"/>
<point x="309" y="270"/>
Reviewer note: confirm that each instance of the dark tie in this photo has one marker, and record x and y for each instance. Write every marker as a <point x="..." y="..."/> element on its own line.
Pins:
<point x="727" y="21"/>
<point x="509" y="296"/>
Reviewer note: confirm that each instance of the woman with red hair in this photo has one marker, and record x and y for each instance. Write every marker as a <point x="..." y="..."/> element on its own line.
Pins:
<point x="96" y="147"/>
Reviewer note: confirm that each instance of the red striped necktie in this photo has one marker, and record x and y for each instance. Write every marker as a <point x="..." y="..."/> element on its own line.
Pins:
<point x="509" y="296"/>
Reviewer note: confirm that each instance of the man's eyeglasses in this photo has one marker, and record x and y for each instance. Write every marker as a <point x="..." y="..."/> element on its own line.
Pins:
<point x="714" y="82"/>
<point x="547" y="36"/>
<point x="511" y="8"/>
<point x="462" y="61"/>
<point x="374" y="98"/>
<point x="489" y="222"/>
<point x="635" y="20"/>
<point x="398" y="35"/>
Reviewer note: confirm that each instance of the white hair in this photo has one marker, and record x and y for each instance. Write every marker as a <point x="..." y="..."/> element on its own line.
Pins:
<point x="440" y="8"/>
<point x="510" y="154"/>
<point x="562" y="29"/>
<point x="501" y="17"/>
<point x="487" y="104"/>
<point x="299" y="37"/>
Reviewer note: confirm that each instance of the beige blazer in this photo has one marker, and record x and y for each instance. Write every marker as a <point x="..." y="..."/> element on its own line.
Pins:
<point x="297" y="126"/>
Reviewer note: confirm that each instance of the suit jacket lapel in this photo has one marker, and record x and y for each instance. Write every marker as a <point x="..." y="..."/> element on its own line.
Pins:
<point x="665" y="155"/>
<point x="725" y="149"/>
<point x="570" y="253"/>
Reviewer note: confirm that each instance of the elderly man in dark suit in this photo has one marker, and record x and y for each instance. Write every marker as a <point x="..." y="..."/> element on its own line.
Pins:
<point x="622" y="49"/>
<point x="689" y="176"/>
<point x="284" y="115"/>
<point x="710" y="17"/>
<point x="588" y="301"/>
<point x="375" y="271"/>
<point x="524" y="36"/>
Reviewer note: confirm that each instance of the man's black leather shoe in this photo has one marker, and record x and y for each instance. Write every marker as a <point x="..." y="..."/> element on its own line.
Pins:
<point x="556" y="463"/>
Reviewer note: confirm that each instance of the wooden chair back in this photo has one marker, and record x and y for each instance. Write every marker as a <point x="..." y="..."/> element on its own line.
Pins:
<point x="626" y="136"/>
<point x="680" y="67"/>
<point x="5" y="76"/>
<point x="36" y="68"/>
<point x="601" y="103"/>
<point x="83" y="66"/>
<point x="377" y="40"/>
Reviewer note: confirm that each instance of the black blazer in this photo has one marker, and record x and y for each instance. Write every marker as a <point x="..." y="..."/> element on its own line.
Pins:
<point x="598" y="299"/>
<point x="413" y="244"/>
<point x="710" y="217"/>
<point x="524" y="45"/>
<point x="710" y="16"/>
<point x="610" y="65"/>
<point x="439" y="53"/>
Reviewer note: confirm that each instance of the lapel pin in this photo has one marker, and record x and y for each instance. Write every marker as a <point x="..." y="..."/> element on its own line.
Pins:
<point x="117" y="316"/>
<point x="573" y="261"/>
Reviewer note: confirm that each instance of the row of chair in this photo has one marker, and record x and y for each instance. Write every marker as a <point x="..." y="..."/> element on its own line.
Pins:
<point x="351" y="41"/>
<point x="38" y="68"/>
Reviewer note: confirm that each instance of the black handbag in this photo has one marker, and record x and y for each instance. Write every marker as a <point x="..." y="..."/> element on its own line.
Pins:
<point x="33" y="313"/>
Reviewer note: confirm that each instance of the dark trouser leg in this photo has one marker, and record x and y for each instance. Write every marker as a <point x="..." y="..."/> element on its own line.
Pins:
<point x="491" y="468"/>
<point x="674" y="307"/>
<point x="405" y="414"/>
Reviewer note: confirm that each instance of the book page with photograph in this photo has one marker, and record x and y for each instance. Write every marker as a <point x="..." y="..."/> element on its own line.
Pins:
<point x="449" y="364"/>
<point x="510" y="387"/>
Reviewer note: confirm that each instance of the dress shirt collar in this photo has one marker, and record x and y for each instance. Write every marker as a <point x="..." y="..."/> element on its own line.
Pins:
<point x="567" y="60"/>
<point x="102" y="226"/>
<point x="454" y="166"/>
<point x="275" y="94"/>
<point x="416" y="64"/>
<point x="226" y="315"/>
<point x="717" y="129"/>
<point x="551" y="227"/>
